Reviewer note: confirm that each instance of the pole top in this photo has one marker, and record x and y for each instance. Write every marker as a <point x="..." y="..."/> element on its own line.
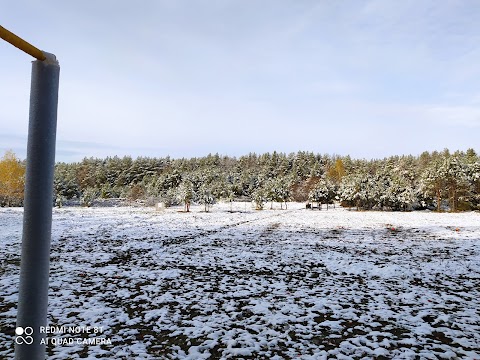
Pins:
<point x="24" y="46"/>
<point x="50" y="59"/>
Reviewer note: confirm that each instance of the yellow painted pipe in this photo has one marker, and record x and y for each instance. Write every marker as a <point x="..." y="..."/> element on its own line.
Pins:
<point x="21" y="44"/>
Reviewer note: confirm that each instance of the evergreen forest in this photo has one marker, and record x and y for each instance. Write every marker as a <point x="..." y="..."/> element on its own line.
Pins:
<point x="441" y="181"/>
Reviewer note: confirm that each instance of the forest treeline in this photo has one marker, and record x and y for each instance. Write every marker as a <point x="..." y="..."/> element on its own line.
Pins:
<point x="434" y="180"/>
<point x="437" y="180"/>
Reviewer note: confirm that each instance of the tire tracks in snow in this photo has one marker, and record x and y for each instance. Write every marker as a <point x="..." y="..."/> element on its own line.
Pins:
<point x="182" y="239"/>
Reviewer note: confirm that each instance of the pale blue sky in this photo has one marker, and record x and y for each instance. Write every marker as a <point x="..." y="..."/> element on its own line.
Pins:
<point x="187" y="78"/>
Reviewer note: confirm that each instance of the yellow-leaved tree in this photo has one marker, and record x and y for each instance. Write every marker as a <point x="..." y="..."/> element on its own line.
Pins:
<point x="12" y="180"/>
<point x="336" y="172"/>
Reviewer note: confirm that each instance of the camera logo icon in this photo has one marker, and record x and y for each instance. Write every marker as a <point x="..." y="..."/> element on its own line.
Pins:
<point x="24" y="335"/>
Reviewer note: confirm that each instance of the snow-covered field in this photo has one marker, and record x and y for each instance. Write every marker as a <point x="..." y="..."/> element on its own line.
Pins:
<point x="272" y="284"/>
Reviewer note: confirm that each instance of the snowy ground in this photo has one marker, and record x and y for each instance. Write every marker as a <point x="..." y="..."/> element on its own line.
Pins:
<point x="272" y="284"/>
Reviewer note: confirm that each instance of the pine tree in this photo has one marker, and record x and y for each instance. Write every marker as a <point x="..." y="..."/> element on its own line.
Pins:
<point x="348" y="191"/>
<point x="89" y="196"/>
<point x="282" y="190"/>
<point x="205" y="197"/>
<point x="432" y="184"/>
<point x="473" y="176"/>
<point x="259" y="197"/>
<point x="456" y="181"/>
<point x="320" y="193"/>
<point x="185" y="194"/>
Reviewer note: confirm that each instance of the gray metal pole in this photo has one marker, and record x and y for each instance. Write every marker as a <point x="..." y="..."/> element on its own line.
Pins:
<point x="38" y="204"/>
